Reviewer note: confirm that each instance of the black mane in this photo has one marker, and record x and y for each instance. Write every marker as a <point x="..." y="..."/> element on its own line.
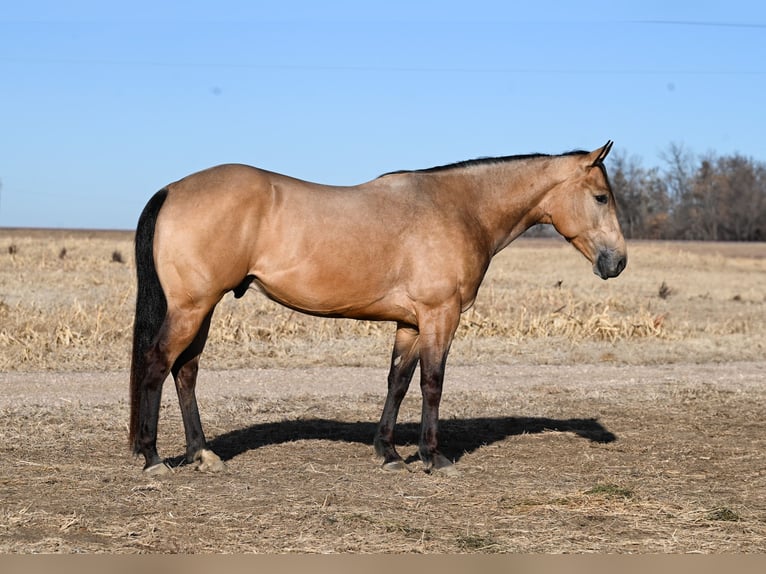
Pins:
<point x="481" y="161"/>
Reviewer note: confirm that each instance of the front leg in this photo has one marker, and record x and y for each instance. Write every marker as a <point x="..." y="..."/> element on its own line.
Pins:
<point x="436" y="339"/>
<point x="428" y="449"/>
<point x="404" y="359"/>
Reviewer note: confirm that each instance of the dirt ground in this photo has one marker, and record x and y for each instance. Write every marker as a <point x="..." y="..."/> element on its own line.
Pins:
<point x="552" y="459"/>
<point x="584" y="416"/>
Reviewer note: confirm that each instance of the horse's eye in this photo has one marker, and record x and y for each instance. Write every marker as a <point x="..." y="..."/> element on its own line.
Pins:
<point x="602" y="199"/>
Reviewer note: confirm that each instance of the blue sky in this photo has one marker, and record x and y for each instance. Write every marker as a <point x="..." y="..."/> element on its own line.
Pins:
<point x="104" y="103"/>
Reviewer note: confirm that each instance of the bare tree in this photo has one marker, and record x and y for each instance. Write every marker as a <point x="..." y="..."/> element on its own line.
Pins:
<point x="642" y="195"/>
<point x="739" y="184"/>
<point x="678" y="175"/>
<point x="694" y="197"/>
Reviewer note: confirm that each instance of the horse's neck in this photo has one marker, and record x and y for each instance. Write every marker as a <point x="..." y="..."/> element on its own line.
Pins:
<point x="508" y="195"/>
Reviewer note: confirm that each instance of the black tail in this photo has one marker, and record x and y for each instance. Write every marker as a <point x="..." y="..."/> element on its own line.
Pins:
<point x="151" y="305"/>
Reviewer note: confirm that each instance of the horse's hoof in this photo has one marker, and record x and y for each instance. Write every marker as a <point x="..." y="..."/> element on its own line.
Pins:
<point x="159" y="469"/>
<point x="442" y="465"/>
<point x="395" y="466"/>
<point x="449" y="470"/>
<point x="208" y="461"/>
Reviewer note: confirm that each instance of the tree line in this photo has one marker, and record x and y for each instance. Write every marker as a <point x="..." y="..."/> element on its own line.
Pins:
<point x="703" y="197"/>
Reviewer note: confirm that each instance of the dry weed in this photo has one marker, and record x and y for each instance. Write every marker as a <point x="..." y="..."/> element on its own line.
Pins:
<point x="539" y="300"/>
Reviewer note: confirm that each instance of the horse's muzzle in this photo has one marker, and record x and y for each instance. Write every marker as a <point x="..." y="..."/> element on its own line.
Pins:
<point x="610" y="264"/>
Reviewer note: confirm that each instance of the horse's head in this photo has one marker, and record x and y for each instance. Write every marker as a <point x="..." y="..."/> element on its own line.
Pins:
<point x="582" y="209"/>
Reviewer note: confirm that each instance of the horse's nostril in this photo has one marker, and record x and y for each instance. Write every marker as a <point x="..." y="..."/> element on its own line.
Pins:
<point x="621" y="264"/>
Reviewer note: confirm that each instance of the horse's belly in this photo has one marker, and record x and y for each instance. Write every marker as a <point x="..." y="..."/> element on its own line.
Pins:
<point x="338" y="297"/>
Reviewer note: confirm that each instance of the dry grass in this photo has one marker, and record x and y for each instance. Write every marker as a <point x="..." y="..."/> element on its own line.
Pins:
<point x="539" y="303"/>
<point x="580" y="454"/>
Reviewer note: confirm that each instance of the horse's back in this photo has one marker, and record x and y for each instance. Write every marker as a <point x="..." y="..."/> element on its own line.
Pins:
<point x="364" y="251"/>
<point x="318" y="248"/>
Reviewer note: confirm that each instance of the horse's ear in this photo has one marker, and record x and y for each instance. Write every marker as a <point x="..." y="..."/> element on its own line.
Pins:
<point x="598" y="156"/>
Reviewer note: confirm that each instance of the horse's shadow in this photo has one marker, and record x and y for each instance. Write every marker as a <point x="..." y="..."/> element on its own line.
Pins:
<point x="457" y="436"/>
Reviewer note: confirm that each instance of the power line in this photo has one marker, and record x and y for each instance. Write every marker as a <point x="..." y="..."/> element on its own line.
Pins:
<point x="699" y="23"/>
<point x="378" y="69"/>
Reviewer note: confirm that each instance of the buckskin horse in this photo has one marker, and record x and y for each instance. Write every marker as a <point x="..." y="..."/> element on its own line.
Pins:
<point x="410" y="247"/>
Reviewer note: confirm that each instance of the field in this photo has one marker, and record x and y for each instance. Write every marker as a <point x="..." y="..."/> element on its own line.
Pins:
<point x="585" y="416"/>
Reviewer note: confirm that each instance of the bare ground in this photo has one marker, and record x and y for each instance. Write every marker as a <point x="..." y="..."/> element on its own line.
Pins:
<point x="584" y="416"/>
<point x="552" y="458"/>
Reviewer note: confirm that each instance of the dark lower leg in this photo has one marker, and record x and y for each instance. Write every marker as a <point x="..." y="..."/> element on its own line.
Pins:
<point x="431" y="387"/>
<point x="185" y="379"/>
<point x="185" y="372"/>
<point x="149" y="408"/>
<point x="404" y="359"/>
<point x="398" y="383"/>
<point x="433" y="359"/>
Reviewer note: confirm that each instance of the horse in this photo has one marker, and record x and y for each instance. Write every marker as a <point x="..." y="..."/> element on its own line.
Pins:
<point x="409" y="247"/>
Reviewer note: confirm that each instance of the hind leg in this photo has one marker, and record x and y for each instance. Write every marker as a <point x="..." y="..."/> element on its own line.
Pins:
<point x="178" y="331"/>
<point x="156" y="371"/>
<point x="185" y="375"/>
